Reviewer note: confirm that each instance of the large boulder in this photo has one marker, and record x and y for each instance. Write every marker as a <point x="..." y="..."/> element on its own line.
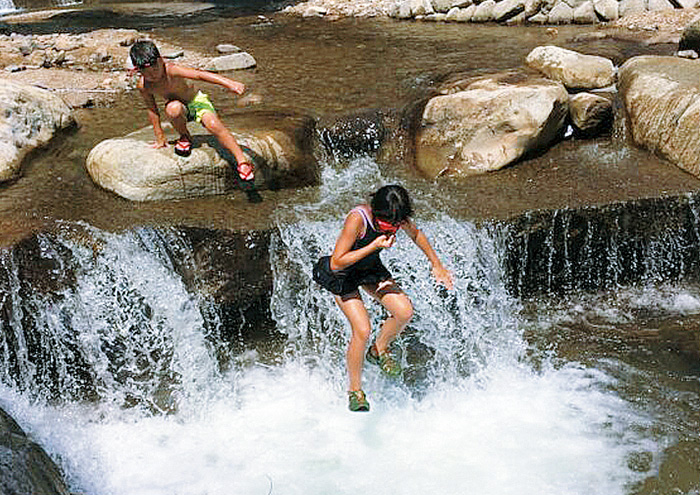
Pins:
<point x="24" y="466"/>
<point x="279" y="145"/>
<point x="487" y="123"/>
<point x="661" y="96"/>
<point x="29" y="118"/>
<point x="574" y="70"/>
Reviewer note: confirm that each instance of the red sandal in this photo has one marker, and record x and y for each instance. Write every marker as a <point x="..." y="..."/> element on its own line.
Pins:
<point x="183" y="147"/>
<point x="246" y="171"/>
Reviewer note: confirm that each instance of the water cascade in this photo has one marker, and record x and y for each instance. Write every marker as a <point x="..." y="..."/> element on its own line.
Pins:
<point x="110" y="362"/>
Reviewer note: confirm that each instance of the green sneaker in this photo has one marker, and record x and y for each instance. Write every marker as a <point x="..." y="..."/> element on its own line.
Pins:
<point x="384" y="360"/>
<point x="357" y="401"/>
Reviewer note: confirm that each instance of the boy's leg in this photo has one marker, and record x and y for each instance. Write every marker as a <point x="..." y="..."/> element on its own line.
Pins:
<point x="399" y="307"/>
<point x="213" y="124"/>
<point x="354" y="309"/>
<point x="176" y="112"/>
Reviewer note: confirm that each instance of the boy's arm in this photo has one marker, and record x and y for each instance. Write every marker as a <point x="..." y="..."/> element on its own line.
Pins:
<point x="442" y="275"/>
<point x="206" y="76"/>
<point x="154" y="118"/>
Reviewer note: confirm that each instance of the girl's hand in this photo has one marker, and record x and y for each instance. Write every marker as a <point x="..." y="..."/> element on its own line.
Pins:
<point x="384" y="241"/>
<point x="443" y="277"/>
<point x="159" y="144"/>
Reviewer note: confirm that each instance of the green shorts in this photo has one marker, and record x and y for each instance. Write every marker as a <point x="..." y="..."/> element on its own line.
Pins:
<point x="199" y="104"/>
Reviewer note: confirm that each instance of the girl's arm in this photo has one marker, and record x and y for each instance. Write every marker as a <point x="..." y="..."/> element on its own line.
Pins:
<point x="442" y="275"/>
<point x="206" y="76"/>
<point x="343" y="255"/>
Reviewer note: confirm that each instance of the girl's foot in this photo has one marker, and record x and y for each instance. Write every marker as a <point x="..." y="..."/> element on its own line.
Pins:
<point x="357" y="401"/>
<point x="183" y="146"/>
<point x="384" y="360"/>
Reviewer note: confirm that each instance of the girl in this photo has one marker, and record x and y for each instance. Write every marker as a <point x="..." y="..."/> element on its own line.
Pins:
<point x="355" y="262"/>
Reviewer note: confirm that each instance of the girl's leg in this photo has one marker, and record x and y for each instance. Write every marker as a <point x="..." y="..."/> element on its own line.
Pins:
<point x="177" y="114"/>
<point x="356" y="313"/>
<point x="399" y="307"/>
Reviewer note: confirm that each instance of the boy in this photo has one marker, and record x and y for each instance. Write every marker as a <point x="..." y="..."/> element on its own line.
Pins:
<point x="183" y="102"/>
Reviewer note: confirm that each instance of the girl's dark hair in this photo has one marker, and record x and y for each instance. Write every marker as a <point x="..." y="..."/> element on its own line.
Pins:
<point x="144" y="53"/>
<point x="391" y="204"/>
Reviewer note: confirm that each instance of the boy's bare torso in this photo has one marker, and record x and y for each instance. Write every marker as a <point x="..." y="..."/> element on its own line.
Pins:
<point x="171" y="86"/>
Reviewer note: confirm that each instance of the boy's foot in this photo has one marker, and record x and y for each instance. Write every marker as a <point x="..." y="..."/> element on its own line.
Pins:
<point x="183" y="147"/>
<point x="357" y="402"/>
<point x="246" y="171"/>
<point x="384" y="360"/>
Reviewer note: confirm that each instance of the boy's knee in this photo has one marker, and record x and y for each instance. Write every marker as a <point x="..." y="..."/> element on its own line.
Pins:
<point x="174" y="109"/>
<point x="362" y="334"/>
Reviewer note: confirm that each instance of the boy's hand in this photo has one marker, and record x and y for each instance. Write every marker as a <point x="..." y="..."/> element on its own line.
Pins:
<point x="237" y="87"/>
<point x="443" y="277"/>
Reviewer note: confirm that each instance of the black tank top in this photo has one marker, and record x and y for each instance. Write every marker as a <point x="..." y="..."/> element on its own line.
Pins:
<point x="369" y="236"/>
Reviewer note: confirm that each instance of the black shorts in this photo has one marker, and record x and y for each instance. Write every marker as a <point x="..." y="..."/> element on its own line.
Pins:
<point x="342" y="282"/>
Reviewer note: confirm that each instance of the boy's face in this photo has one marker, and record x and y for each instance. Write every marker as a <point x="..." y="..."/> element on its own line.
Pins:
<point x="153" y="72"/>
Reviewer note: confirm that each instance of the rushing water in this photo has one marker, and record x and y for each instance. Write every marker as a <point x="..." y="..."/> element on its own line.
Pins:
<point x="113" y="368"/>
<point x="480" y="409"/>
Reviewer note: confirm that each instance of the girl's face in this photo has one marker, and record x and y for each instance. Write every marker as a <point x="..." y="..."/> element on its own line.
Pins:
<point x="386" y="227"/>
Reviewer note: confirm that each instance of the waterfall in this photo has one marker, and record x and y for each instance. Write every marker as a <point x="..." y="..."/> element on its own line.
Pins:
<point x="7" y="6"/>
<point x="107" y="362"/>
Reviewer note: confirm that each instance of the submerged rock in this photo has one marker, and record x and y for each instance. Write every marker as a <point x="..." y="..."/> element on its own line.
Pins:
<point x="29" y="118"/>
<point x="488" y="123"/>
<point x="281" y="152"/>
<point x="662" y="99"/>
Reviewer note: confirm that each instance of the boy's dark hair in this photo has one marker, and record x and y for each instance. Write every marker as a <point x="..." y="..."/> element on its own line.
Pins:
<point x="391" y="204"/>
<point x="144" y="53"/>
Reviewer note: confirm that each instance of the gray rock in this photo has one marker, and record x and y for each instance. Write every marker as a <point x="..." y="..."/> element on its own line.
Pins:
<point x="507" y="9"/>
<point x="690" y="54"/>
<point x="226" y="49"/>
<point x="628" y="7"/>
<point x="659" y="5"/>
<point x="487" y="123"/>
<point x="585" y="13"/>
<point x="608" y="10"/>
<point x="29" y="118"/>
<point x="235" y="61"/>
<point x="442" y="5"/>
<point x="561" y="13"/>
<point x="131" y="168"/>
<point x="590" y="114"/>
<point x="574" y="70"/>
<point x="661" y="96"/>
<point x="484" y="11"/>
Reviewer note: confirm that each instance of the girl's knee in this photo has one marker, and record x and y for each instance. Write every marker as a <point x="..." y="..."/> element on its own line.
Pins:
<point x="404" y="312"/>
<point x="362" y="334"/>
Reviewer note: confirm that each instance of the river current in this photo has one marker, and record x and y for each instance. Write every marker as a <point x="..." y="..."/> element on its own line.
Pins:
<point x="546" y="394"/>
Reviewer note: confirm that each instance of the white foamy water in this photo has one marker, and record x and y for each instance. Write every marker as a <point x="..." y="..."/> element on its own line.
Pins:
<point x="472" y="416"/>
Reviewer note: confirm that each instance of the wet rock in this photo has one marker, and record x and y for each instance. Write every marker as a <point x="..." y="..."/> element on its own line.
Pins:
<point x="236" y="61"/>
<point x="507" y="9"/>
<point x="29" y="118"/>
<point x="662" y="100"/>
<point x="487" y="123"/>
<point x="573" y="69"/>
<point x="280" y="149"/>
<point x="24" y="466"/>
<point x="590" y="114"/>
<point x="607" y="10"/>
<point x="225" y="48"/>
<point x="691" y="54"/>
<point x="484" y="12"/>
<point x="690" y="39"/>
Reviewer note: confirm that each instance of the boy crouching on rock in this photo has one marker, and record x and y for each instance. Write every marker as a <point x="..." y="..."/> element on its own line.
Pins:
<point x="183" y="102"/>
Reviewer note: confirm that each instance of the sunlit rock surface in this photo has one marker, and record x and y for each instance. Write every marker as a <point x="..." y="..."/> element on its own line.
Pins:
<point x="574" y="70"/>
<point x="281" y="152"/>
<point x="662" y="100"/>
<point x="487" y="123"/>
<point x="29" y="118"/>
